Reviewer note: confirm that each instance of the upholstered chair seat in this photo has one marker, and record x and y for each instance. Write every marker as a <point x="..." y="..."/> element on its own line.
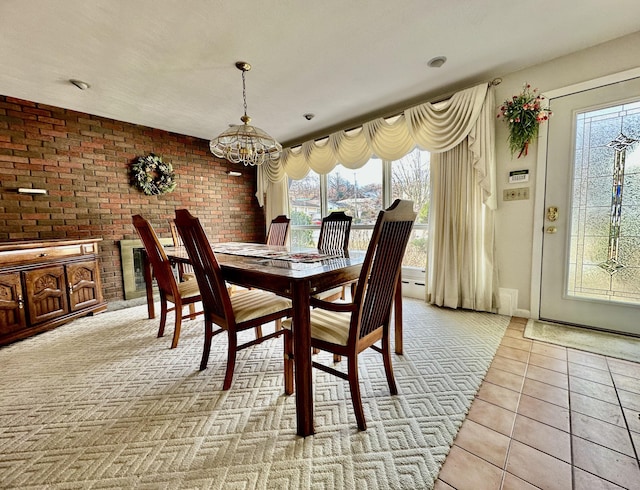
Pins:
<point x="187" y="289"/>
<point x="250" y="304"/>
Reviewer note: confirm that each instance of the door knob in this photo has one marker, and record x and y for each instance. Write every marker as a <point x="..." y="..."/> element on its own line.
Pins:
<point x="552" y="229"/>
<point x="552" y="213"/>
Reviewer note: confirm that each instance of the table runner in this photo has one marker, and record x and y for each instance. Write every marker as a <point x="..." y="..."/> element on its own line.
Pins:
<point x="261" y="251"/>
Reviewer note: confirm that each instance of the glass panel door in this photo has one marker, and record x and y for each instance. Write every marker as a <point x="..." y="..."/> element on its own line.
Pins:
<point x="591" y="246"/>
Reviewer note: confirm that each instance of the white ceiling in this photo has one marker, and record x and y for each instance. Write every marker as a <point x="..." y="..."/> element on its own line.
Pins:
<point x="170" y="64"/>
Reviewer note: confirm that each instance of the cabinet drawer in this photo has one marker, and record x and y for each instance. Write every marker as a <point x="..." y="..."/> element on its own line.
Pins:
<point x="45" y="254"/>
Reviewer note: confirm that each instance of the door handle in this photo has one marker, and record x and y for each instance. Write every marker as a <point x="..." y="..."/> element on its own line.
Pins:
<point x="552" y="229"/>
<point x="552" y="213"/>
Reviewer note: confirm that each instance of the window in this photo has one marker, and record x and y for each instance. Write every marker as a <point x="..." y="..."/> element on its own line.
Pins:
<point x="604" y="223"/>
<point x="359" y="194"/>
<point x="410" y="180"/>
<point x="362" y="193"/>
<point x="305" y="207"/>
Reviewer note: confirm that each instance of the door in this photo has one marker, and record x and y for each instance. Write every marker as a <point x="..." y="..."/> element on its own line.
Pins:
<point x="46" y="294"/>
<point x="591" y="241"/>
<point x="12" y="317"/>
<point x="84" y="284"/>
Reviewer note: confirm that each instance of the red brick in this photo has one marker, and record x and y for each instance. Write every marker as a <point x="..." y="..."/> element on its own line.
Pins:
<point x="51" y="132"/>
<point x="83" y="161"/>
<point x="12" y="146"/>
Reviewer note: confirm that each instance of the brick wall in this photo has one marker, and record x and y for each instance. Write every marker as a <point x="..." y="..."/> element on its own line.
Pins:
<point x="83" y="162"/>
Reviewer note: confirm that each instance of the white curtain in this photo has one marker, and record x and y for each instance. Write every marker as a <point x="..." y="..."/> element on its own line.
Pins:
<point x="276" y="192"/>
<point x="459" y="134"/>
<point x="461" y="267"/>
<point x="461" y="270"/>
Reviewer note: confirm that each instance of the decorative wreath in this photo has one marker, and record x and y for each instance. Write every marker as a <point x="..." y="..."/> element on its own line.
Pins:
<point x="153" y="176"/>
<point x="524" y="113"/>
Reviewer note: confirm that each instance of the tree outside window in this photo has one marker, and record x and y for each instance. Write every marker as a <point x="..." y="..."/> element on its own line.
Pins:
<point x="410" y="180"/>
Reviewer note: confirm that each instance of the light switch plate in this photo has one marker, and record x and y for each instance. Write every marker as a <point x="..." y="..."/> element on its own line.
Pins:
<point x="515" y="194"/>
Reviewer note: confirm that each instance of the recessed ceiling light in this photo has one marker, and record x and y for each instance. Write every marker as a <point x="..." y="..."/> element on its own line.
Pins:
<point x="437" y="62"/>
<point x="80" y="84"/>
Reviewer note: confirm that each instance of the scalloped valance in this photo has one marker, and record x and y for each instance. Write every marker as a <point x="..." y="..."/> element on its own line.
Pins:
<point x="435" y="127"/>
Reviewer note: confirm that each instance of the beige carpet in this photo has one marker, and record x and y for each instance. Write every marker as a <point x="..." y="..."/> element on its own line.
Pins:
<point x="604" y="343"/>
<point x="103" y="403"/>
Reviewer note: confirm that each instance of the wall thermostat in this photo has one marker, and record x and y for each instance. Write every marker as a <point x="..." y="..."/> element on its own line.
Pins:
<point x="518" y="176"/>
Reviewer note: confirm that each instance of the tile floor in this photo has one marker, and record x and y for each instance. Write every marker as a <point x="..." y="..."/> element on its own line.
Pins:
<point x="549" y="417"/>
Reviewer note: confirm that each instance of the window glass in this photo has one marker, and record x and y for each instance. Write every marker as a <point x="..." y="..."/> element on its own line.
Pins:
<point x="304" y="199"/>
<point x="410" y="180"/>
<point x="356" y="192"/>
<point x="604" y="263"/>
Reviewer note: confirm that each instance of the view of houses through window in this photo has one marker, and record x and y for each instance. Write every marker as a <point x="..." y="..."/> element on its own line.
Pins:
<point x="362" y="193"/>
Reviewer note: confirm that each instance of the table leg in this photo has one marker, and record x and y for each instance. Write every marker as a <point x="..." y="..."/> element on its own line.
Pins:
<point x="397" y="314"/>
<point x="148" y="284"/>
<point x="302" y="358"/>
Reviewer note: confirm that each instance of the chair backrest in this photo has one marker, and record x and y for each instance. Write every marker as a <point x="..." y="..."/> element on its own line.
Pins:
<point x="215" y="296"/>
<point x="278" y="231"/>
<point x="381" y="268"/>
<point x="334" y="231"/>
<point x="162" y="270"/>
<point x="175" y="236"/>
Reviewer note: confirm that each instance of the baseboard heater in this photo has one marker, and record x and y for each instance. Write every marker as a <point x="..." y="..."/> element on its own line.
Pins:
<point x="413" y="283"/>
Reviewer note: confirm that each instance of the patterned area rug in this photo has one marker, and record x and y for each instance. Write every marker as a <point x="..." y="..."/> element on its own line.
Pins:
<point x="102" y="403"/>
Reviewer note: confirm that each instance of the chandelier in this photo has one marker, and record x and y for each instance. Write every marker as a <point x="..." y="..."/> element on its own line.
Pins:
<point x="243" y="143"/>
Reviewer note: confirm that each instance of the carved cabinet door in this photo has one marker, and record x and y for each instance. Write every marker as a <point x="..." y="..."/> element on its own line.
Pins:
<point x="46" y="293"/>
<point x="84" y="284"/>
<point x="12" y="312"/>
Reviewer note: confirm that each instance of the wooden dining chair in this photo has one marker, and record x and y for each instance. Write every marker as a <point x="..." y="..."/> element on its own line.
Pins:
<point x="347" y="329"/>
<point x="278" y="231"/>
<point x="334" y="231"/>
<point x="334" y="235"/>
<point x="232" y="314"/>
<point x="180" y="294"/>
<point x="185" y="271"/>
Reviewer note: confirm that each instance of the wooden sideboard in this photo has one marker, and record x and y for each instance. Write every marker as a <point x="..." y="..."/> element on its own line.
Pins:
<point x="46" y="283"/>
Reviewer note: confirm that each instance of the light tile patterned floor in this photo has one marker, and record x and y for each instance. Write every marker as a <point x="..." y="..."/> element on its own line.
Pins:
<point x="549" y="417"/>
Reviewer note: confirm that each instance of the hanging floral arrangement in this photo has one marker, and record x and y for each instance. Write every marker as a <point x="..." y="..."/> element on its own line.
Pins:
<point x="153" y="176"/>
<point x="523" y="114"/>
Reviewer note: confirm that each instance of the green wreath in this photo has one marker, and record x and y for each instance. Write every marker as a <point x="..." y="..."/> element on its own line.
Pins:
<point x="153" y="176"/>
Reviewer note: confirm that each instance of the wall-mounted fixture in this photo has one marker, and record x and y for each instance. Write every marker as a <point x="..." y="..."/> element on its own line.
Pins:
<point x="80" y="84"/>
<point x="29" y="190"/>
<point x="517" y="176"/>
<point x="233" y="173"/>
<point x="308" y="116"/>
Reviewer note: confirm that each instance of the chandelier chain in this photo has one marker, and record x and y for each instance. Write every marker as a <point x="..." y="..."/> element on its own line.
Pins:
<point x="244" y="93"/>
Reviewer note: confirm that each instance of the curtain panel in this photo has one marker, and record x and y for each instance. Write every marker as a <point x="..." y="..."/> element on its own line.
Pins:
<point x="459" y="133"/>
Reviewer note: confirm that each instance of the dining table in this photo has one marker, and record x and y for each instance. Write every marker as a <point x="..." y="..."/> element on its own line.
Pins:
<point x="296" y="274"/>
